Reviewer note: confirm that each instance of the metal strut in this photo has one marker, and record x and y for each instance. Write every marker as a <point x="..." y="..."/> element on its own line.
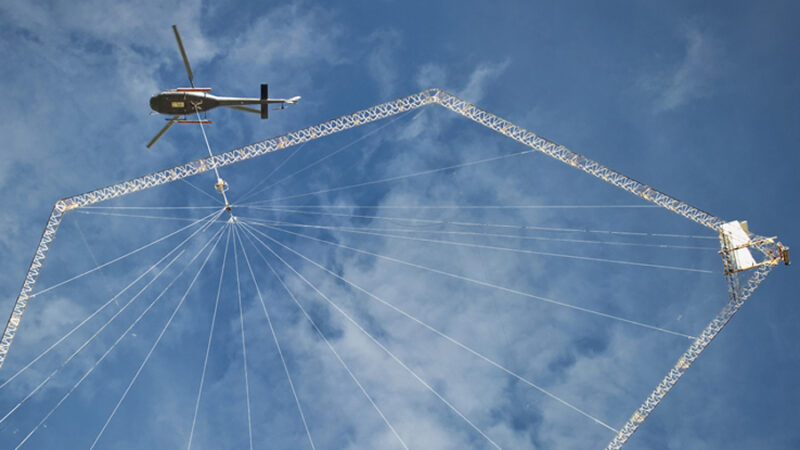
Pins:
<point x="773" y="252"/>
<point x="735" y="242"/>
<point x="737" y="296"/>
<point x="21" y="303"/>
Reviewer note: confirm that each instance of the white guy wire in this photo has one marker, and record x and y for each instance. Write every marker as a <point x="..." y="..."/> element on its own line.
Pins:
<point x="399" y="177"/>
<point x="475" y="224"/>
<point x="112" y="299"/>
<point x="266" y="178"/>
<point x="244" y="346"/>
<point x="148" y="207"/>
<point x="491" y="285"/>
<point x="341" y="149"/>
<point x="210" y="337"/>
<point x="451" y="339"/>
<point x="526" y="251"/>
<point x="469" y="206"/>
<point x="327" y="342"/>
<point x="277" y="344"/>
<point x="387" y="351"/>
<point x="91" y="253"/>
<point x="155" y="344"/>
<point x="200" y="190"/>
<point x="87" y="341"/>
<point x="208" y="146"/>
<point x="215" y="214"/>
<point x="111" y="348"/>
<point x="478" y="233"/>
<point x="86" y="243"/>
<point x="140" y="216"/>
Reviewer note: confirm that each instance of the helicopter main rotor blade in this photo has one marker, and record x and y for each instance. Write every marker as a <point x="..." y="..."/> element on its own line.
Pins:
<point x="163" y="130"/>
<point x="183" y="55"/>
<point x="244" y="108"/>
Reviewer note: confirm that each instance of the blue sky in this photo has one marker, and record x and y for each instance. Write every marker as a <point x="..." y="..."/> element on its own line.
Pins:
<point x="698" y="101"/>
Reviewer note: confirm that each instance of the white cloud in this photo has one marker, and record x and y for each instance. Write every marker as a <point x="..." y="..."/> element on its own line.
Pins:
<point x="478" y="82"/>
<point x="290" y="34"/>
<point x="434" y="75"/>
<point x="431" y="75"/>
<point x="691" y="78"/>
<point x="381" y="61"/>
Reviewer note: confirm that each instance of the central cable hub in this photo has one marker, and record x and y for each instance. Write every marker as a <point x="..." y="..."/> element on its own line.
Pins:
<point x="222" y="187"/>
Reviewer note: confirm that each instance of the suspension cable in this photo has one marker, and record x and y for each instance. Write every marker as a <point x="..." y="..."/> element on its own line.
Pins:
<point x="111" y="348"/>
<point x="138" y="216"/>
<point x="468" y="206"/>
<point x="119" y="258"/>
<point x="148" y="207"/>
<point x="98" y="310"/>
<point x="87" y="341"/>
<point x="488" y="284"/>
<point x="475" y="224"/>
<point x="327" y="342"/>
<point x="244" y="346"/>
<point x="211" y="155"/>
<point x="478" y="233"/>
<point x="387" y="351"/>
<point x="157" y="341"/>
<point x="275" y="339"/>
<point x="528" y="252"/>
<point x="329" y="155"/>
<point x="451" y="339"/>
<point x="266" y="178"/>
<point x="200" y="190"/>
<point x="210" y="337"/>
<point x="91" y="253"/>
<point x="398" y="177"/>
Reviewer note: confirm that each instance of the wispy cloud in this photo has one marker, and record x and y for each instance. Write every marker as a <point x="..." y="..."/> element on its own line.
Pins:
<point x="382" y="60"/>
<point x="431" y="75"/>
<point x="689" y="79"/>
<point x="480" y="79"/>
<point x="474" y="87"/>
<point x="288" y="37"/>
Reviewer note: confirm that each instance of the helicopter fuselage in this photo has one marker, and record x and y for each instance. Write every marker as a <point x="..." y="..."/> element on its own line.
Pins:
<point x="176" y="102"/>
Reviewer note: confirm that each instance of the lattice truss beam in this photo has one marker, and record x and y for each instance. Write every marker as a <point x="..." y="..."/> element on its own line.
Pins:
<point x="772" y="251"/>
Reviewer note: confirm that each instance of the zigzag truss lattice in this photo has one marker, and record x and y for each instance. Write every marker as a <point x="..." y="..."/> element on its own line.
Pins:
<point x="742" y="281"/>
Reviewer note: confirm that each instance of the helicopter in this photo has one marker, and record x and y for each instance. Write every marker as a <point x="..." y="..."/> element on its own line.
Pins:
<point x="181" y="102"/>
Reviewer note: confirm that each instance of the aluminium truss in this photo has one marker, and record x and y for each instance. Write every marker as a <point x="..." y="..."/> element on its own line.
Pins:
<point x="772" y="251"/>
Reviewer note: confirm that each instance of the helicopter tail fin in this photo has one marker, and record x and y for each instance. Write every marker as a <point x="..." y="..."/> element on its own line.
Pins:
<point x="264" y="105"/>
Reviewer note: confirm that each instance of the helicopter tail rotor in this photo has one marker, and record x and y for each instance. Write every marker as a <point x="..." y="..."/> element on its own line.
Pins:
<point x="264" y="104"/>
